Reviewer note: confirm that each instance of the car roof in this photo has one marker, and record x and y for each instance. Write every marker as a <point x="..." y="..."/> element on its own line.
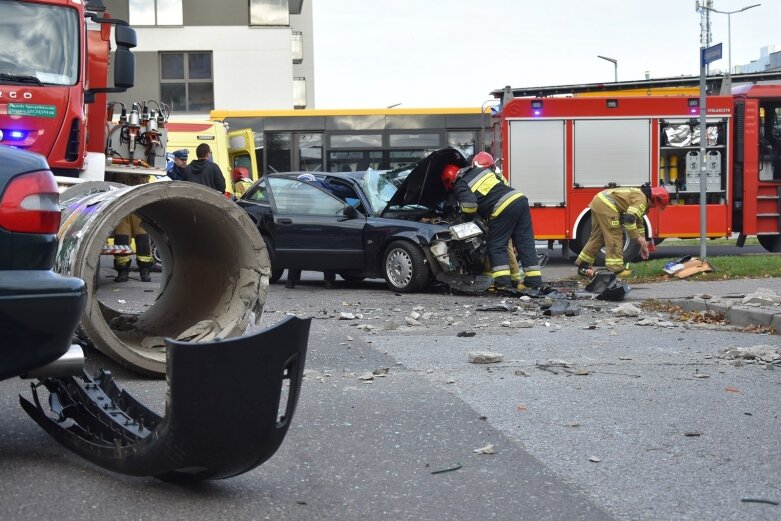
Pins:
<point x="343" y="175"/>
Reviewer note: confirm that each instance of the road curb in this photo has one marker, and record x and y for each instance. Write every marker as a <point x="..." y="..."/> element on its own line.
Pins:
<point x="735" y="313"/>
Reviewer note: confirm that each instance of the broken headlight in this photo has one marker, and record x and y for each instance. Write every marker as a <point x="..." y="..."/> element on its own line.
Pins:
<point x="465" y="230"/>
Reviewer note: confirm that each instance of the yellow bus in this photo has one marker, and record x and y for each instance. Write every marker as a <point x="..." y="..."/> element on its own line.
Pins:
<point x="353" y="140"/>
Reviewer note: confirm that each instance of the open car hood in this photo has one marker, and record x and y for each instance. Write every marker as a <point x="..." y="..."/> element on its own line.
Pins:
<point x="423" y="186"/>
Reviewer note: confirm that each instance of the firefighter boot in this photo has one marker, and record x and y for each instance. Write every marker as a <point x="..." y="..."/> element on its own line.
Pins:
<point x="122" y="274"/>
<point x="502" y="283"/>
<point x="533" y="282"/>
<point x="144" y="269"/>
<point x="122" y="265"/>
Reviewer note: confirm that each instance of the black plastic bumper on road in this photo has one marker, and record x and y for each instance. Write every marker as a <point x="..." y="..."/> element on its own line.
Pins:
<point x="229" y="407"/>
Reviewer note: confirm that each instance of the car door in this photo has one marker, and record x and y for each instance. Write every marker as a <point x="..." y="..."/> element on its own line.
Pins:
<point x="313" y="230"/>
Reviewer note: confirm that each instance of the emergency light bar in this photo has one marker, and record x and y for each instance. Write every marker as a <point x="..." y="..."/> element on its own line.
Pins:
<point x="536" y="107"/>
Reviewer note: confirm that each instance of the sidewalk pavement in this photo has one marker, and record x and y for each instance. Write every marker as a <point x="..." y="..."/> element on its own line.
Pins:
<point x="743" y="302"/>
<point x="722" y="296"/>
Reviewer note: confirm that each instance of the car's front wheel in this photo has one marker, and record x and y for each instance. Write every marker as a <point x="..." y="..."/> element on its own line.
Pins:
<point x="404" y="267"/>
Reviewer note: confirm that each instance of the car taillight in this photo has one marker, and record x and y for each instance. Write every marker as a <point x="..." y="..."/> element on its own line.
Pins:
<point x="30" y="204"/>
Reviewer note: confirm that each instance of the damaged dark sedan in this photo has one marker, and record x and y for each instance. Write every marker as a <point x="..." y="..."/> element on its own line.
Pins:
<point x="400" y="225"/>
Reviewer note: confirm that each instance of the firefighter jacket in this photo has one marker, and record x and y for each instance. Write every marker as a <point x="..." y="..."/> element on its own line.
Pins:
<point x="630" y="204"/>
<point x="484" y="192"/>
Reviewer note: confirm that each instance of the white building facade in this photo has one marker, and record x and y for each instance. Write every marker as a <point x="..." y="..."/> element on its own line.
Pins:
<point x="200" y="55"/>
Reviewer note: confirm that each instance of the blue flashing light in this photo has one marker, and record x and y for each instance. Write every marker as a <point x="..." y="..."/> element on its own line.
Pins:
<point x="13" y="135"/>
<point x="536" y="105"/>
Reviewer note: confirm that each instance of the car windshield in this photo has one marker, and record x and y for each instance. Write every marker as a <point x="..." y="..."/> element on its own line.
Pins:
<point x="380" y="185"/>
<point x="40" y="44"/>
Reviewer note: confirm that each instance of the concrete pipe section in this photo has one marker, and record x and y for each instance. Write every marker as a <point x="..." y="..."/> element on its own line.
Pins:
<point x="214" y="261"/>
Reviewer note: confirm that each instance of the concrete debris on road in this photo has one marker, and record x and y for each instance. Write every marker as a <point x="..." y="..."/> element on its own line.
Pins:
<point x="654" y="321"/>
<point x="759" y="353"/>
<point x="518" y="324"/>
<point x="498" y="307"/>
<point x="626" y="310"/>
<point x="763" y="297"/>
<point x="412" y="322"/>
<point x="366" y="377"/>
<point x="484" y="357"/>
<point x="488" y="449"/>
<point x="346" y="316"/>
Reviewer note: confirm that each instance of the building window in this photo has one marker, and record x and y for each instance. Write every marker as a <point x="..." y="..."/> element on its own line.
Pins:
<point x="299" y="93"/>
<point x="155" y="12"/>
<point x="298" y="47"/>
<point x="269" y="12"/>
<point x="186" y="83"/>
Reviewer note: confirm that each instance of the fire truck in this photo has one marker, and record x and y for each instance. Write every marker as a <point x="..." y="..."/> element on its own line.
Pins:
<point x="561" y="151"/>
<point x="53" y="102"/>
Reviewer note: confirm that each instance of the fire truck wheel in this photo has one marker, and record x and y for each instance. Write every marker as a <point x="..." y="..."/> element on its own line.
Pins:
<point x="771" y="243"/>
<point x="631" y="248"/>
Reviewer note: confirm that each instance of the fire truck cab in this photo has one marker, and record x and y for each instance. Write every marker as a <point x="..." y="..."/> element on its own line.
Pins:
<point x="562" y="151"/>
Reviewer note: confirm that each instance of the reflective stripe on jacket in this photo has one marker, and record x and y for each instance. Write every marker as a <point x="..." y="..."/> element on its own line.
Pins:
<point x="481" y="190"/>
<point x="629" y="201"/>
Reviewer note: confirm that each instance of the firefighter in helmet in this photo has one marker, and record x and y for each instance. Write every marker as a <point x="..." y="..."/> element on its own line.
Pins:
<point x="241" y="181"/>
<point x="613" y="211"/>
<point x="481" y="191"/>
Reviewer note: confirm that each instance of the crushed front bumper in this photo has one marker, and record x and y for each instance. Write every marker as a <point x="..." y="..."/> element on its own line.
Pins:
<point x="228" y="408"/>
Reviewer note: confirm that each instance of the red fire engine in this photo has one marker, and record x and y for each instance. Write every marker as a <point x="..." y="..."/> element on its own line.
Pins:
<point x="561" y="151"/>
<point x="54" y="80"/>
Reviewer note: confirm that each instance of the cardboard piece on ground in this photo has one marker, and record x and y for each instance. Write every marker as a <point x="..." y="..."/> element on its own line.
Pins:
<point x="692" y="266"/>
<point x="673" y="267"/>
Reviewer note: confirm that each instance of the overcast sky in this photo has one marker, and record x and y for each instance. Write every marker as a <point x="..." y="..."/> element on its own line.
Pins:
<point x="452" y="53"/>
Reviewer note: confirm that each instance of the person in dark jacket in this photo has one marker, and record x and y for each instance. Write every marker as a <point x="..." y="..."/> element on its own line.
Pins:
<point x="483" y="192"/>
<point x="179" y="164"/>
<point x="204" y="171"/>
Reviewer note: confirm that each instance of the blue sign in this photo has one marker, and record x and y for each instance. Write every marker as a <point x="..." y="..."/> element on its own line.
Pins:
<point x="711" y="54"/>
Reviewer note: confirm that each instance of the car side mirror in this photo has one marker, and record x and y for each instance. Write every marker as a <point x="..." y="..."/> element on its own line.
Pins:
<point x="349" y="212"/>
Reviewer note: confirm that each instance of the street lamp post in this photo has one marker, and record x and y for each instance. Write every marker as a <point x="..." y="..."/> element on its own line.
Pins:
<point x="726" y="86"/>
<point x="615" y="66"/>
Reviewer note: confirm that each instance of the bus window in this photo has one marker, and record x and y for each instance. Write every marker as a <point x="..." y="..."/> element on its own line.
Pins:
<point x="398" y="158"/>
<point x="278" y="152"/>
<point x="310" y="152"/>
<point x="462" y="140"/>
<point x="354" y="161"/>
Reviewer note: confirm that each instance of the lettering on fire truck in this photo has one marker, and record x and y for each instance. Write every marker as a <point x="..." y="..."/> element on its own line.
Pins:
<point x="15" y="95"/>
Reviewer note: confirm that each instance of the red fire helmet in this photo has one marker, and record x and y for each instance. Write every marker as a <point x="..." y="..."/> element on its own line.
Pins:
<point x="448" y="176"/>
<point x="483" y="159"/>
<point x="239" y="172"/>
<point x="660" y="197"/>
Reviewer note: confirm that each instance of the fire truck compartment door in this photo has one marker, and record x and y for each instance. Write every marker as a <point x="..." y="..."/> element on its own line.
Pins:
<point x="536" y="163"/>
<point x="614" y="151"/>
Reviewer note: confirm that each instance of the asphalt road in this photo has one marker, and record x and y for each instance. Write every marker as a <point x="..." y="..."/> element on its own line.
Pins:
<point x="591" y="417"/>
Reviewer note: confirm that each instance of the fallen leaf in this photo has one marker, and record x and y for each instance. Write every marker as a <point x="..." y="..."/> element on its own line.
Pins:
<point x="731" y="389"/>
<point x="521" y="408"/>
